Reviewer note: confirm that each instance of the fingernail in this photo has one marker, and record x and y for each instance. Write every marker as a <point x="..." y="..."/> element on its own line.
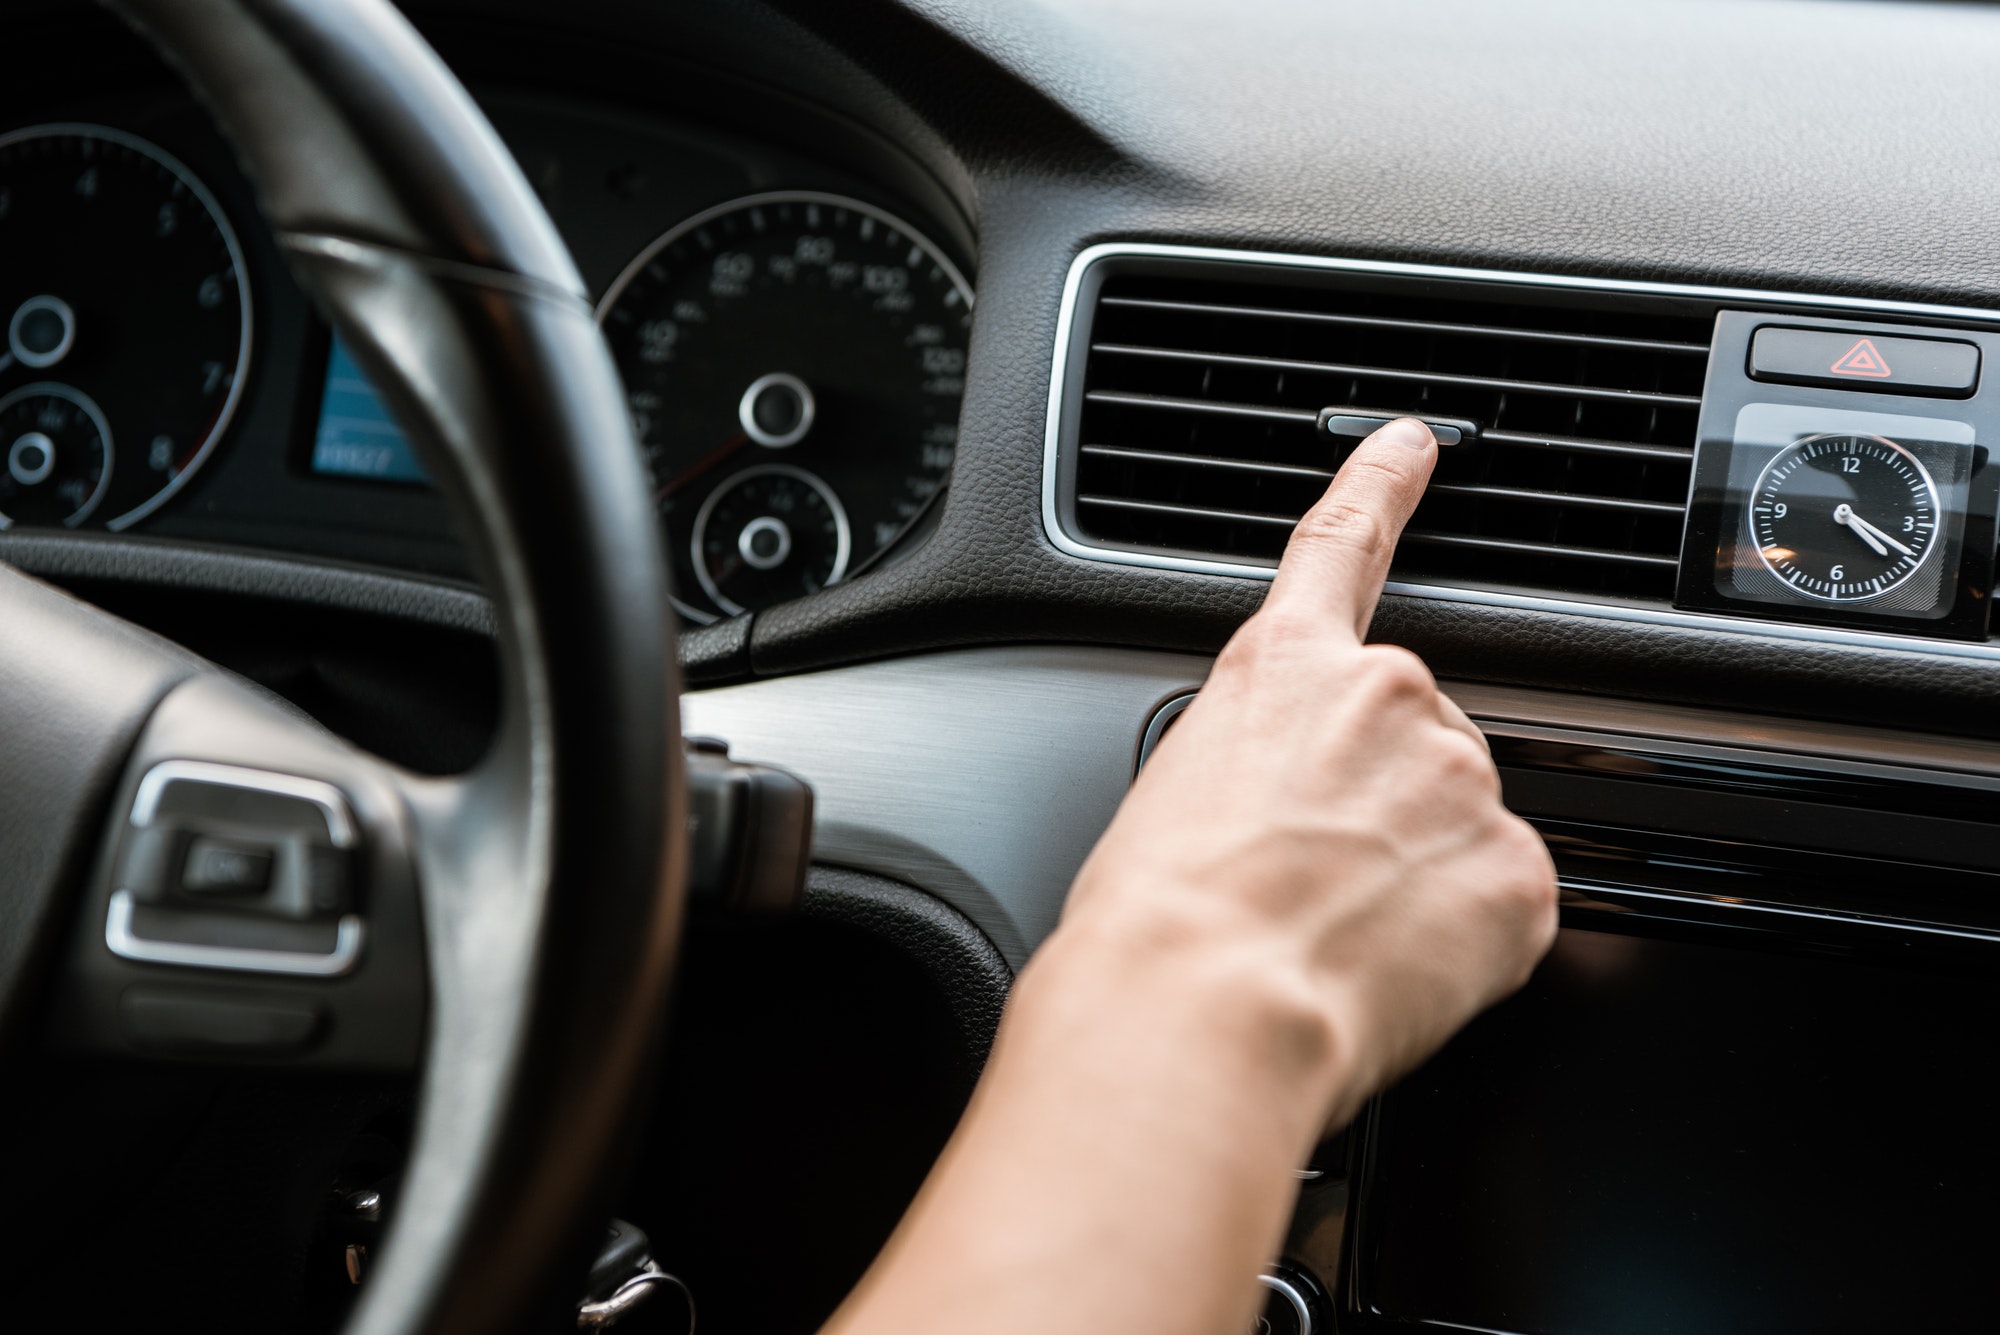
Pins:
<point x="1407" y="432"/>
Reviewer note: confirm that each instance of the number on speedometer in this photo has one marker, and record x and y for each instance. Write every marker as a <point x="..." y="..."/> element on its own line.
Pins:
<point x="794" y="365"/>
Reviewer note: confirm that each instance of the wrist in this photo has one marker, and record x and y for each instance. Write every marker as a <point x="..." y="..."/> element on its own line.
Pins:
<point x="1150" y="1093"/>
<point x="1223" y="1000"/>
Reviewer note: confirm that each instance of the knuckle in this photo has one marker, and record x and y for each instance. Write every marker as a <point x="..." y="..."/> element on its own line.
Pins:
<point x="1531" y="877"/>
<point x="1525" y="847"/>
<point x="1240" y="655"/>
<point x="1284" y="625"/>
<point x="1465" y="762"/>
<point x="1397" y="672"/>
<point x="1340" y="522"/>
<point x="1274" y="633"/>
<point x="1380" y="470"/>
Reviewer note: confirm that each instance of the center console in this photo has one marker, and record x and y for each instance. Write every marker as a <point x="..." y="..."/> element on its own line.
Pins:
<point x="1749" y="1089"/>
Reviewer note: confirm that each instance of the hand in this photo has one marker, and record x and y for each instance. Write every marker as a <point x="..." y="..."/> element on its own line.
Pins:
<point x="1322" y="826"/>
<point x="1312" y="884"/>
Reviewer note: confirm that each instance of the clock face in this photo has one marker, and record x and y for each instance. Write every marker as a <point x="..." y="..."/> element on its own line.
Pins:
<point x="1840" y="518"/>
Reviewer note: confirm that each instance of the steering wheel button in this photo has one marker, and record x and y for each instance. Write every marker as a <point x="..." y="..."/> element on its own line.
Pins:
<point x="329" y="880"/>
<point x="225" y="867"/>
<point x="189" y="1020"/>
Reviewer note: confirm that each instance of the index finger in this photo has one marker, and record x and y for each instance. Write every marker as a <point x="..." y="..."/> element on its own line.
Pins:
<point x="1339" y="554"/>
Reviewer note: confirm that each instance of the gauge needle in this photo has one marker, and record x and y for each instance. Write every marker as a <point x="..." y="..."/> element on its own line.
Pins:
<point x="702" y="465"/>
<point x="1867" y="532"/>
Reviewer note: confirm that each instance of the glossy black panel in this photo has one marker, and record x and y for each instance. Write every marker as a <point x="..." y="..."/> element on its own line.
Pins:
<point x="1670" y="1136"/>
<point x="1740" y="773"/>
<point x="1755" y="799"/>
<point x="1871" y="907"/>
<point x="1749" y="1089"/>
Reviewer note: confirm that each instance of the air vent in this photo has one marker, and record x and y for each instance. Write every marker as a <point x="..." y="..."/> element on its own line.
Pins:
<point x="1192" y="432"/>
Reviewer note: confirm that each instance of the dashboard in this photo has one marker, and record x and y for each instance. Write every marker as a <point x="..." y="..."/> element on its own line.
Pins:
<point x="985" y="356"/>
<point x="645" y="134"/>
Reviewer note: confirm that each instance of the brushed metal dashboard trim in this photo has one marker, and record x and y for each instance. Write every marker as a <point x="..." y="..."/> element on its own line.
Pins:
<point x="985" y="776"/>
<point x="1071" y="545"/>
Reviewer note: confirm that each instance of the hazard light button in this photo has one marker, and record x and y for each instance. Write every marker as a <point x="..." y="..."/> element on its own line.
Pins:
<point x="1877" y="363"/>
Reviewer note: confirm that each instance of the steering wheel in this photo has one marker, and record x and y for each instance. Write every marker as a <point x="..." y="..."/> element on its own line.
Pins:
<point x="187" y="864"/>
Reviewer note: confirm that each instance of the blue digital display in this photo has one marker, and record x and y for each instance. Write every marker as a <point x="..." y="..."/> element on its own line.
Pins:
<point x="355" y="436"/>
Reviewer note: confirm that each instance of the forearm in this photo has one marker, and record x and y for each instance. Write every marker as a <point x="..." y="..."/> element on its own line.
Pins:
<point x="1310" y="886"/>
<point x="1127" y="1162"/>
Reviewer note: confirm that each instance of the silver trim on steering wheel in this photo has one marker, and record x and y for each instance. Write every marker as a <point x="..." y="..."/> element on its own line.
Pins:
<point x="122" y="941"/>
<point x="350" y="933"/>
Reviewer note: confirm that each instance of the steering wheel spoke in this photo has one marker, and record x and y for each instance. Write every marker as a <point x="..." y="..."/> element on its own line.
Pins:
<point x="252" y="896"/>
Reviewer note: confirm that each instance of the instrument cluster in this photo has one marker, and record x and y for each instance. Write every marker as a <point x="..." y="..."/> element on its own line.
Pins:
<point x="793" y="357"/>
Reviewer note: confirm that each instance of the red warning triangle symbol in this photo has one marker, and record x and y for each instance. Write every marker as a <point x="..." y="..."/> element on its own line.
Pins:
<point x="1863" y="359"/>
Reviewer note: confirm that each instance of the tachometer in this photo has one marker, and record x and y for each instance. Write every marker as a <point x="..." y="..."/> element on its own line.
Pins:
<point x="769" y="533"/>
<point x="58" y="455"/>
<point x="127" y="322"/>
<point x="794" y="366"/>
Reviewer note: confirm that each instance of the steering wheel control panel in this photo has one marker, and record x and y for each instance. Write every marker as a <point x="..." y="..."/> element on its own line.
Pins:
<point x="1841" y="477"/>
<point x="226" y="868"/>
<point x="246" y="914"/>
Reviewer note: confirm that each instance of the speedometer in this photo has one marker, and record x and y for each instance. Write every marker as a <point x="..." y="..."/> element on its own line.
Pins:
<point x="794" y="365"/>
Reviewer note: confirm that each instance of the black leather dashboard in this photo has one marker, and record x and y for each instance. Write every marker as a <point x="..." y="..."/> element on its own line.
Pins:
<point x="1787" y="145"/>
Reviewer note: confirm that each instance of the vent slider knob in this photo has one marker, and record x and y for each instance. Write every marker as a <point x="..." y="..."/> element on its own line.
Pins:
<point x="1356" y="423"/>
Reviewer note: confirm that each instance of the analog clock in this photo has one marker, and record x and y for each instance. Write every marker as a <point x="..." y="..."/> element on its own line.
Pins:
<point x="1841" y="518"/>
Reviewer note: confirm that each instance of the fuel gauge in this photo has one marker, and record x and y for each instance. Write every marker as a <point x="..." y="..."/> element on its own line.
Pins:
<point x="768" y="534"/>
<point x="55" y="455"/>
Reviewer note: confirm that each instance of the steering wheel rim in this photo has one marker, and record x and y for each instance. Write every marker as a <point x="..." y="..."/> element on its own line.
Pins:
<point x="550" y="876"/>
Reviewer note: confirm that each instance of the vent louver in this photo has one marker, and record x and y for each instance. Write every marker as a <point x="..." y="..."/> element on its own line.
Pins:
<point x="1193" y="431"/>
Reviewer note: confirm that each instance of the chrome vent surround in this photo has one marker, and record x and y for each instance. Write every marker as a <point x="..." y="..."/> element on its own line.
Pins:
<point x="1192" y="391"/>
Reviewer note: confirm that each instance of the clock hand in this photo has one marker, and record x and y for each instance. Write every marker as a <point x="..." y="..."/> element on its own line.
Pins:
<point x="1861" y="524"/>
<point x="1844" y="514"/>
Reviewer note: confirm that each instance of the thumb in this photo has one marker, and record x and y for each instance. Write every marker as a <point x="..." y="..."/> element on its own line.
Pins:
<point x="1339" y="554"/>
